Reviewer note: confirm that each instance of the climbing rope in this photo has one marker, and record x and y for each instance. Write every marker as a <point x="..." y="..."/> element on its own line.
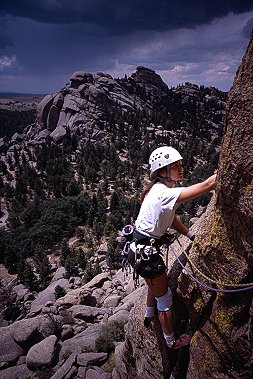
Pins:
<point x="212" y="280"/>
<point x="249" y="286"/>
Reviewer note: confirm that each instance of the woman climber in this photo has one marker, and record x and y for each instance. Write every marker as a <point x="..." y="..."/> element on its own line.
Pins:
<point x="157" y="214"/>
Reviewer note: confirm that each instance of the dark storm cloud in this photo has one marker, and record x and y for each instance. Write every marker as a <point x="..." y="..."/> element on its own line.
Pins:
<point x="5" y="40"/>
<point x="42" y="42"/>
<point x="118" y="16"/>
<point x="247" y="30"/>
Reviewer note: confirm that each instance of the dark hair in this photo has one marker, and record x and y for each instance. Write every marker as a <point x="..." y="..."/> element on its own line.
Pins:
<point x="150" y="185"/>
<point x="147" y="189"/>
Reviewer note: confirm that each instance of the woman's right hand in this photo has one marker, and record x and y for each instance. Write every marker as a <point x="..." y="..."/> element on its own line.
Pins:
<point x="196" y="190"/>
<point x="212" y="181"/>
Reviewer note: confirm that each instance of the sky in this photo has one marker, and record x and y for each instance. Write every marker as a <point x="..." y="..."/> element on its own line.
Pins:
<point x="43" y="42"/>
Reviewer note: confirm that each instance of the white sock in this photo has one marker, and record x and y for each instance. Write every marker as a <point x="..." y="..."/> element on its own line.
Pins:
<point x="150" y="312"/>
<point x="169" y="338"/>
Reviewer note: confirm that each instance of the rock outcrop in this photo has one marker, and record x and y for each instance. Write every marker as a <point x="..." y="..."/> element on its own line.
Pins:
<point x="85" y="100"/>
<point x="85" y="105"/>
<point x="149" y="78"/>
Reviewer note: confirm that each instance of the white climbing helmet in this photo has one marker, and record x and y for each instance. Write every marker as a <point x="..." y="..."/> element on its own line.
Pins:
<point x="161" y="157"/>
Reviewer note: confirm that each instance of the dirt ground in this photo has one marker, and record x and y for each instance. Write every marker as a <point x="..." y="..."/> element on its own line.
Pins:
<point x="5" y="276"/>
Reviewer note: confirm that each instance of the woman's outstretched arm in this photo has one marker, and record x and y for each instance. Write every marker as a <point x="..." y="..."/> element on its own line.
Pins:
<point x="196" y="190"/>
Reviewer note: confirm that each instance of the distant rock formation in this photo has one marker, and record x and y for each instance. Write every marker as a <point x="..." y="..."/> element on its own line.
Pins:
<point x="90" y="108"/>
<point x="145" y="75"/>
<point x="84" y="100"/>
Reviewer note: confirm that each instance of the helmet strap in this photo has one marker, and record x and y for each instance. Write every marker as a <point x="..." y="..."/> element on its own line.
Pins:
<point x="167" y="178"/>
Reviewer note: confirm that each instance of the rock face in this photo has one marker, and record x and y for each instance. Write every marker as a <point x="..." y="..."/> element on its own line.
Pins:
<point x="223" y="343"/>
<point x="140" y="355"/>
<point x="83" y="101"/>
<point x="145" y="75"/>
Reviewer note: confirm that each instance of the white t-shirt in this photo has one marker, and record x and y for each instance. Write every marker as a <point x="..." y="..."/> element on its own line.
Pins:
<point x="157" y="210"/>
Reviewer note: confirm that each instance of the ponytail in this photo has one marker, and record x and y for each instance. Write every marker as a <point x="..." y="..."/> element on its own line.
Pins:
<point x="147" y="189"/>
<point x="155" y="177"/>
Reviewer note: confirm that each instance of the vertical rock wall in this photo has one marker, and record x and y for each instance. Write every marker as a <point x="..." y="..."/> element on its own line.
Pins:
<point x="222" y="345"/>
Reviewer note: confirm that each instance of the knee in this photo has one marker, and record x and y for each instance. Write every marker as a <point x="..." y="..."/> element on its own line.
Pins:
<point x="164" y="302"/>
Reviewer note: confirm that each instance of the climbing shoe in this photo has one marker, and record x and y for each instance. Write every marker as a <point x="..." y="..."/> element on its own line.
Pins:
<point x="147" y="321"/>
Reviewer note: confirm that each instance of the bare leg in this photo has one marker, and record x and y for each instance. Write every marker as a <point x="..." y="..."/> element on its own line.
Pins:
<point x="151" y="300"/>
<point x="150" y="309"/>
<point x="158" y="287"/>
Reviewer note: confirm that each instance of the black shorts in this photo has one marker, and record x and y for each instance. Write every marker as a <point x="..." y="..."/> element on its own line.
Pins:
<point x="150" y="268"/>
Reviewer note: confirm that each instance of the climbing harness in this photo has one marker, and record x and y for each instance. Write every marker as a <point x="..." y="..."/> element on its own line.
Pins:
<point x="142" y="253"/>
<point x="246" y="287"/>
<point x="136" y="274"/>
<point x="146" y="255"/>
<point x="125" y="237"/>
<point x="126" y="234"/>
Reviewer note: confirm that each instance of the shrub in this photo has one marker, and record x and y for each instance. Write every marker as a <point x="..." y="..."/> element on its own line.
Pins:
<point x="81" y="259"/>
<point x="110" y="333"/>
<point x="59" y="291"/>
<point x="71" y="266"/>
<point x="91" y="271"/>
<point x="67" y="317"/>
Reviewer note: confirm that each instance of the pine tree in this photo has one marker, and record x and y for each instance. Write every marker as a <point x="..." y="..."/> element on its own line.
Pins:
<point x="43" y="268"/>
<point x="81" y="259"/>
<point x="115" y="201"/>
<point x="71" y="265"/>
<point x="112" y="254"/>
<point x="64" y="252"/>
<point x="26" y="275"/>
<point x="73" y="189"/>
<point x="98" y="229"/>
<point x="91" y="216"/>
<point x="59" y="291"/>
<point x="16" y="156"/>
<point x="3" y="167"/>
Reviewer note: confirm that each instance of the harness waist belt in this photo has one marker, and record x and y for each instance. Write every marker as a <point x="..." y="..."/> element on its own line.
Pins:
<point x="145" y="240"/>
